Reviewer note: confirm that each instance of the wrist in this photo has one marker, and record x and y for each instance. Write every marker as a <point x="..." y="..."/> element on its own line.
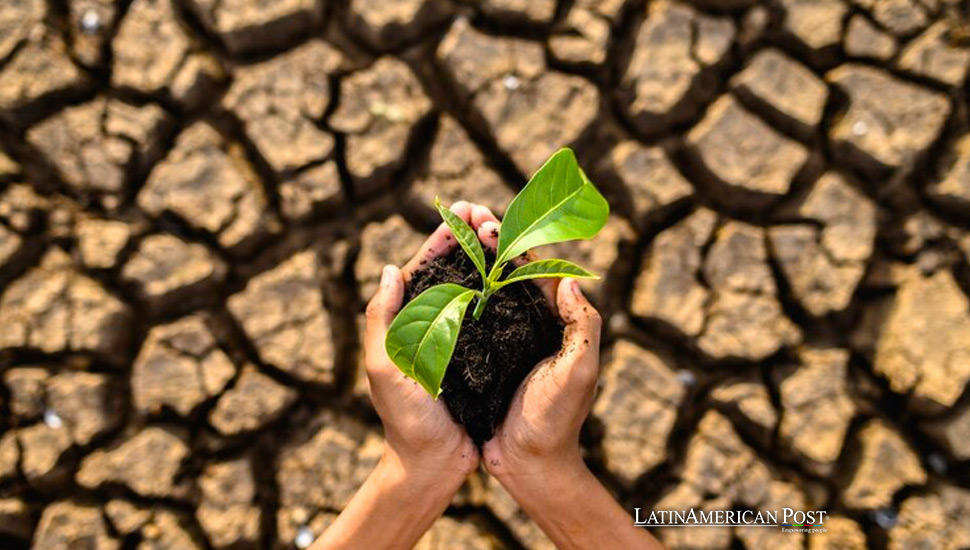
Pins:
<point x="536" y="473"/>
<point x="404" y="501"/>
<point x="437" y="480"/>
<point x="558" y="499"/>
<point x="572" y="507"/>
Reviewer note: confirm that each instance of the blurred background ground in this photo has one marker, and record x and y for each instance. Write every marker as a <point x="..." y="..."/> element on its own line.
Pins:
<point x="196" y="197"/>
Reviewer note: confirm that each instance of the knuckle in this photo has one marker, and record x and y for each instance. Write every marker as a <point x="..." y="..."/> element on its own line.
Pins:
<point x="373" y="368"/>
<point x="375" y="310"/>
<point x="377" y="374"/>
<point x="376" y="359"/>
<point x="586" y="374"/>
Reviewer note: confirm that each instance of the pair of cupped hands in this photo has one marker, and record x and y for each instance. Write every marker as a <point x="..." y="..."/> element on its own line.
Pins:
<point x="534" y="453"/>
<point x="541" y="430"/>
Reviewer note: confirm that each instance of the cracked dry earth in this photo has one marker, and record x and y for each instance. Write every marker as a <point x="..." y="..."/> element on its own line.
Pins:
<point x="196" y="197"/>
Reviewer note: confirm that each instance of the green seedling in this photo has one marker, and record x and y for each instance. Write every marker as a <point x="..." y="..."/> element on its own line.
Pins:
<point x="558" y="204"/>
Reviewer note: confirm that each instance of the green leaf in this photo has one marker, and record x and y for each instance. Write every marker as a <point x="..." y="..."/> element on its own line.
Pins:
<point x="465" y="236"/>
<point x="558" y="204"/>
<point x="422" y="337"/>
<point x="547" y="269"/>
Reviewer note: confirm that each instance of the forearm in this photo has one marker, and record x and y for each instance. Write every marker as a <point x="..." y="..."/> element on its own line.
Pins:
<point x="574" y="510"/>
<point x="392" y="509"/>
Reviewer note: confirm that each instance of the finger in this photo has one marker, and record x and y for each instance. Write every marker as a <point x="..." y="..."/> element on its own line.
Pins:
<point x="488" y="234"/>
<point x="480" y="215"/>
<point x="581" y="339"/>
<point x="581" y="318"/>
<point x="463" y="209"/>
<point x="439" y="243"/>
<point x="381" y="311"/>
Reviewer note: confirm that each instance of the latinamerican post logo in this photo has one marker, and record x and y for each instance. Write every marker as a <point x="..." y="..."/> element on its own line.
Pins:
<point x="788" y="520"/>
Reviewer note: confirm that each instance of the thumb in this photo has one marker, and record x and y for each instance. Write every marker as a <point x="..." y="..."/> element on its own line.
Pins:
<point x="581" y="340"/>
<point x="383" y="307"/>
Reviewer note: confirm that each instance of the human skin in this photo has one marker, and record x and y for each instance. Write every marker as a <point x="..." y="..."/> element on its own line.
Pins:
<point x="426" y="455"/>
<point x="534" y="454"/>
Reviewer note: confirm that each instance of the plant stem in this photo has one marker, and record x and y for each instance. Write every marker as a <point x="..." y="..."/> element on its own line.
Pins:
<point x="490" y="287"/>
<point x="479" y="307"/>
<point x="493" y="275"/>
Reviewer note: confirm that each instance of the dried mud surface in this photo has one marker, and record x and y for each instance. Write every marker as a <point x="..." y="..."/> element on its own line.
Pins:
<point x="196" y="198"/>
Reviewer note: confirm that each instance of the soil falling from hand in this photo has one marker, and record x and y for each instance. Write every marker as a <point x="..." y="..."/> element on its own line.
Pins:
<point x="495" y="353"/>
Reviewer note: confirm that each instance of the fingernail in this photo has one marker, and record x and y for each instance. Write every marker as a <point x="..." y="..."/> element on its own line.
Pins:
<point x="386" y="275"/>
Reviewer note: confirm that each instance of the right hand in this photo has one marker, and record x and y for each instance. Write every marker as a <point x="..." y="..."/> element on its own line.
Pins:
<point x="541" y="429"/>
<point x="535" y="452"/>
<point x="418" y="430"/>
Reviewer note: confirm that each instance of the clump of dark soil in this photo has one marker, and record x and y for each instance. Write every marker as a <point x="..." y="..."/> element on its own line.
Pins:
<point x="495" y="353"/>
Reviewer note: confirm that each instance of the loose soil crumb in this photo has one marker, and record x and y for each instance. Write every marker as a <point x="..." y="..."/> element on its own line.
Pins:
<point x="495" y="353"/>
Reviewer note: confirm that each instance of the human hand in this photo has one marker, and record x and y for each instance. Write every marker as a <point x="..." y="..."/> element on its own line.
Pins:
<point x="418" y="430"/>
<point x="535" y="452"/>
<point x="426" y="455"/>
<point x="541" y="429"/>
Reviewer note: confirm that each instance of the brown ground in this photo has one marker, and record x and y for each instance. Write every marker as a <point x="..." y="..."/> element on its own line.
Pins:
<point x="196" y="198"/>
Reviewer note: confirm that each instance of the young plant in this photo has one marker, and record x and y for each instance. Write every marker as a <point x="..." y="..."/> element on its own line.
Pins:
<point x="558" y="204"/>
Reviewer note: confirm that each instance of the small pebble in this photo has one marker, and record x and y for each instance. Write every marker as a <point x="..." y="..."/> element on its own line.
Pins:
<point x="304" y="538"/>
<point x="511" y="82"/>
<point x="885" y="518"/>
<point x="394" y="113"/>
<point x="377" y="108"/>
<point x="618" y="322"/>
<point x="930" y="260"/>
<point x="110" y="202"/>
<point x="937" y="463"/>
<point x="860" y="128"/>
<point x="90" y="22"/>
<point x="52" y="420"/>
<point x="151" y="532"/>
<point x="686" y="377"/>
<point x="299" y="515"/>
